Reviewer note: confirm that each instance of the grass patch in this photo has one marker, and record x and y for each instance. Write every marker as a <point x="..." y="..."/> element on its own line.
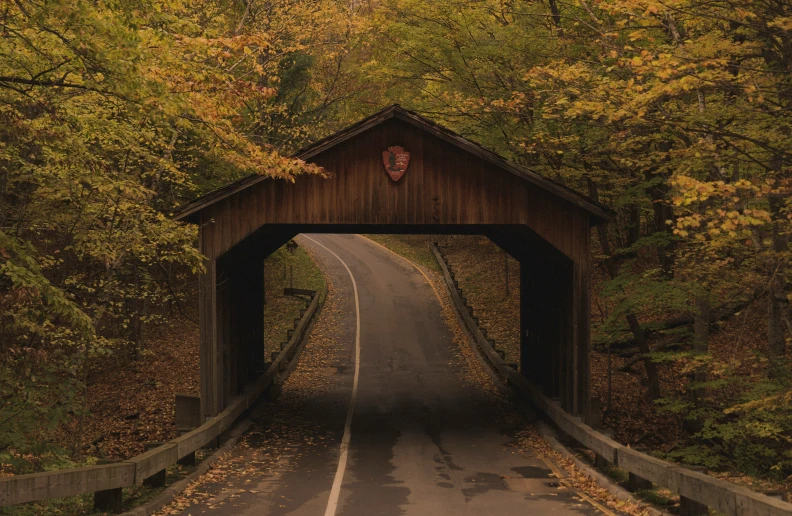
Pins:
<point x="413" y="247"/>
<point x="619" y="475"/>
<point x="658" y="497"/>
<point x="283" y="269"/>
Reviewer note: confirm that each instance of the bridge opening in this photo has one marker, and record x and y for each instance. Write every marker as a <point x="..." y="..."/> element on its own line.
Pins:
<point x="545" y="335"/>
<point x="487" y="279"/>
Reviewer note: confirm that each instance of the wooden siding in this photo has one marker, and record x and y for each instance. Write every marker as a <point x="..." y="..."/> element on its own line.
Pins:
<point x="442" y="186"/>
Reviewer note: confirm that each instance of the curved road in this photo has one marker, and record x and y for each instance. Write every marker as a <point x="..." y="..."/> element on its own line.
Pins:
<point x="424" y="436"/>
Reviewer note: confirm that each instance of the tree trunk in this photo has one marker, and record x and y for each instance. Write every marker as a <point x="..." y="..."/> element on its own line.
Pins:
<point x="778" y="303"/>
<point x="701" y="334"/>
<point x="652" y="377"/>
<point x="633" y="224"/>
<point x="701" y="324"/>
<point x="663" y="219"/>
<point x="556" y="16"/>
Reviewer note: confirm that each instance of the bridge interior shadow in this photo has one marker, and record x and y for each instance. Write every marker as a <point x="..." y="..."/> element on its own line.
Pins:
<point x="551" y="321"/>
<point x="423" y="409"/>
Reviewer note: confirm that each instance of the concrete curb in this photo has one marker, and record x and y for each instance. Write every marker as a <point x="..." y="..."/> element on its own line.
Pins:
<point x="618" y="492"/>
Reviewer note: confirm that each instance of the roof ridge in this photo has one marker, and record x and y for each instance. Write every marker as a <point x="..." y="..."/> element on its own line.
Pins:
<point x="395" y="110"/>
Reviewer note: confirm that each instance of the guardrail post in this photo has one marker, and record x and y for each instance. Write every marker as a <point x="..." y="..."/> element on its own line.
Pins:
<point x="688" y="507"/>
<point x="158" y="478"/>
<point x="108" y="500"/>
<point x="188" y="417"/>
<point x="601" y="462"/>
<point x="274" y="391"/>
<point x="634" y="482"/>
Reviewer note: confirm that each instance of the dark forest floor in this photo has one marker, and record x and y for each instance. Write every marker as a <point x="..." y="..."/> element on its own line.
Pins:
<point x="132" y="402"/>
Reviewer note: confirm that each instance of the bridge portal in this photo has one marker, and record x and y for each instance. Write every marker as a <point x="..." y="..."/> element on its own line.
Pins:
<point x="397" y="172"/>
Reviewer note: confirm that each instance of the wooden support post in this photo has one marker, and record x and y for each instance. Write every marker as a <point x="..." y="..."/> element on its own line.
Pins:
<point x="581" y="383"/>
<point x="225" y="328"/>
<point x="688" y="507"/>
<point x="563" y="323"/>
<point x="531" y="349"/>
<point x="256" y="345"/>
<point x="109" y="500"/>
<point x="158" y="478"/>
<point x="187" y="460"/>
<point x="211" y="345"/>
<point x="188" y="417"/>
<point x="601" y="462"/>
<point x="188" y="412"/>
<point x="213" y="444"/>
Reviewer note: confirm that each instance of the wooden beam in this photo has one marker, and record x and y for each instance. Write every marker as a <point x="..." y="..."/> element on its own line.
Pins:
<point x="210" y="353"/>
<point x="582" y="339"/>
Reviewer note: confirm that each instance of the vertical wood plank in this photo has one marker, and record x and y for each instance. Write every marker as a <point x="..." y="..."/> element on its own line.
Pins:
<point x="206" y="310"/>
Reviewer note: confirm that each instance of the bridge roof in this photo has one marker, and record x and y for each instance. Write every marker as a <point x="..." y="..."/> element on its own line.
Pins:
<point x="597" y="212"/>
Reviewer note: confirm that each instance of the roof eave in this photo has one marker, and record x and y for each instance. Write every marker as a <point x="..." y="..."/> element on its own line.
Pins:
<point x="598" y="212"/>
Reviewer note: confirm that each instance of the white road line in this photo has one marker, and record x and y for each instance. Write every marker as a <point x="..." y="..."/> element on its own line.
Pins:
<point x="335" y="491"/>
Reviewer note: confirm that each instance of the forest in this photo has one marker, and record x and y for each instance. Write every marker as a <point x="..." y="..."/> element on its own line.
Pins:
<point x="677" y="114"/>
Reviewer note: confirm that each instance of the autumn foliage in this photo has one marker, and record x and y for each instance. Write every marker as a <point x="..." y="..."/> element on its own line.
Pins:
<point x="676" y="114"/>
<point x="111" y="115"/>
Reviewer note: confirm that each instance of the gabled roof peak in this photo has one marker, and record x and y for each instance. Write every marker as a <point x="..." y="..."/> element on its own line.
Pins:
<point x="597" y="211"/>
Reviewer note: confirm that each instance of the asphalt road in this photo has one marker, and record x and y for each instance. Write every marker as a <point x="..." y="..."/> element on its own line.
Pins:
<point x="423" y="436"/>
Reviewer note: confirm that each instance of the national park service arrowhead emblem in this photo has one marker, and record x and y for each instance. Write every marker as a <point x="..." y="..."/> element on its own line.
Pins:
<point x="396" y="160"/>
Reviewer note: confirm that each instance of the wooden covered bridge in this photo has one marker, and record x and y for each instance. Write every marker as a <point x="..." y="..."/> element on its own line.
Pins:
<point x="397" y="172"/>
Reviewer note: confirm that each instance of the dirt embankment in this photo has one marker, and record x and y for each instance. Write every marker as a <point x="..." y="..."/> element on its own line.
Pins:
<point x="131" y="403"/>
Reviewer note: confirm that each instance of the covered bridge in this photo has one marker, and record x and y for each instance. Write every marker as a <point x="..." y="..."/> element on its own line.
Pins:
<point x="397" y="172"/>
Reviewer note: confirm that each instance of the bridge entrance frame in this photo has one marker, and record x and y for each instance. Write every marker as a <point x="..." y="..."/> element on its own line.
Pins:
<point x="451" y="186"/>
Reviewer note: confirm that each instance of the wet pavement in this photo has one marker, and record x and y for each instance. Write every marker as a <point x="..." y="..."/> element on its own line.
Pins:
<point x="426" y="437"/>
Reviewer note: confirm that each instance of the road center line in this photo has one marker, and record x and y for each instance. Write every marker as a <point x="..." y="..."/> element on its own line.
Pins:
<point x="335" y="491"/>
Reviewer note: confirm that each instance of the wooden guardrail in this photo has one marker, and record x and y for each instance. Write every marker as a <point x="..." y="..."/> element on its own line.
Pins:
<point x="722" y="496"/>
<point x="77" y="481"/>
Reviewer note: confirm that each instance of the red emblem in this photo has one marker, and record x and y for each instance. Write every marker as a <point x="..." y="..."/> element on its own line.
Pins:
<point x="396" y="160"/>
